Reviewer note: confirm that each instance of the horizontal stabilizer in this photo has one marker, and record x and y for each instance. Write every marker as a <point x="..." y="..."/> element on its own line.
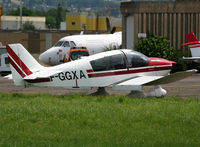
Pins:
<point x="172" y="78"/>
<point x="42" y="74"/>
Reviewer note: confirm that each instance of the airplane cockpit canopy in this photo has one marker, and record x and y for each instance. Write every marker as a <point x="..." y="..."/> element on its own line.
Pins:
<point x="120" y="60"/>
<point x="65" y="44"/>
<point x="112" y="62"/>
<point x="136" y="59"/>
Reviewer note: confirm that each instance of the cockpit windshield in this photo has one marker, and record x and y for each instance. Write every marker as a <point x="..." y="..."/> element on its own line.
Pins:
<point x="59" y="43"/>
<point x="72" y="43"/>
<point x="65" y="44"/>
<point x="136" y="59"/>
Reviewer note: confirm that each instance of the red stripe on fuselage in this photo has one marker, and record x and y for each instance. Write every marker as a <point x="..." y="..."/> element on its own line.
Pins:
<point x="90" y="70"/>
<point x="129" y="71"/>
<point x="18" y="60"/>
<point x="16" y="67"/>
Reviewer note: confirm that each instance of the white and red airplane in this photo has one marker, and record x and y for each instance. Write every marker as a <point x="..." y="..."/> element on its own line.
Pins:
<point x="120" y="69"/>
<point x="94" y="43"/>
<point x="194" y="46"/>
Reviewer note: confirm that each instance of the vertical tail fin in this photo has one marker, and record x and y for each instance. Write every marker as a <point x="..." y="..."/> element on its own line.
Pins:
<point x="193" y="44"/>
<point x="22" y="63"/>
<point x="191" y="37"/>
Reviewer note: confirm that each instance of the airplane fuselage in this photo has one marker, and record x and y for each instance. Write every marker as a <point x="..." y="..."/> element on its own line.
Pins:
<point x="92" y="72"/>
<point x="94" y="44"/>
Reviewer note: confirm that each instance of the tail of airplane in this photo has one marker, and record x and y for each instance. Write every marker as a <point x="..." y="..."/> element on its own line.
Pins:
<point x="193" y="44"/>
<point x="191" y="37"/>
<point x="22" y="63"/>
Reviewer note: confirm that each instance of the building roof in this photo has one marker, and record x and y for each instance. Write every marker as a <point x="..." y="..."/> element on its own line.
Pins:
<point x="158" y="7"/>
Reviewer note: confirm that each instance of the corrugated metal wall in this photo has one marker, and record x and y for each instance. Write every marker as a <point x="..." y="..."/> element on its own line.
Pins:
<point x="170" y="19"/>
<point x="171" y="25"/>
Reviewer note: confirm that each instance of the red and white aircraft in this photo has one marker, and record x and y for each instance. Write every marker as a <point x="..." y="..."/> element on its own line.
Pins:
<point x="194" y="46"/>
<point x="120" y="69"/>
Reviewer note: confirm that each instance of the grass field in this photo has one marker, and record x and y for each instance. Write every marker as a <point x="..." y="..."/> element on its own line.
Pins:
<point x="79" y="120"/>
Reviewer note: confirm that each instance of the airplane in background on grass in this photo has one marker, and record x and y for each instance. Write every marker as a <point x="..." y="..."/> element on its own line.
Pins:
<point x="194" y="45"/>
<point x="122" y="69"/>
<point x="94" y="43"/>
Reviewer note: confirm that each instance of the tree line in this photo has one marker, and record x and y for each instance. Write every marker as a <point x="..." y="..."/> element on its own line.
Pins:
<point x="71" y="3"/>
<point x="53" y="16"/>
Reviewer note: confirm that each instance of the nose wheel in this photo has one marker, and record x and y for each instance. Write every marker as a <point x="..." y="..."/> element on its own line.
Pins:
<point x="157" y="92"/>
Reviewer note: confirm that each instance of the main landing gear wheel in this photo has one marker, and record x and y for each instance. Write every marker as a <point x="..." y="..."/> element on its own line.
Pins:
<point x="100" y="91"/>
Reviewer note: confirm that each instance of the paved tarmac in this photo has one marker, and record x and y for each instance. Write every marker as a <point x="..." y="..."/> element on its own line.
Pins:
<point x="187" y="87"/>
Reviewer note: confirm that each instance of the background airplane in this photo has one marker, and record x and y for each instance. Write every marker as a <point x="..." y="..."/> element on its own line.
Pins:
<point x="94" y="44"/>
<point x="120" y="69"/>
<point x="194" y="45"/>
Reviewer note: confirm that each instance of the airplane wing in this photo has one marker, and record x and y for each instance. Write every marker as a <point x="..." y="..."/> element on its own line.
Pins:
<point x="191" y="58"/>
<point x="134" y="83"/>
<point x="172" y="77"/>
<point x="138" y="82"/>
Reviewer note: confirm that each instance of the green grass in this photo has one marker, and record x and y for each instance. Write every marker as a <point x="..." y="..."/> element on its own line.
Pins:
<point x="78" y="120"/>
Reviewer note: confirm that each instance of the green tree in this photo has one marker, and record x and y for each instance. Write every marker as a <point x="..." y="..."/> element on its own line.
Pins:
<point x="59" y="16"/>
<point x="25" y="12"/>
<point x="50" y="22"/>
<point x="159" y="47"/>
<point x="53" y="16"/>
<point x="156" y="47"/>
<point x="51" y="12"/>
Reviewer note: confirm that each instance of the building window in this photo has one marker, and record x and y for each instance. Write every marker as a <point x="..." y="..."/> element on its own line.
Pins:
<point x="73" y="23"/>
